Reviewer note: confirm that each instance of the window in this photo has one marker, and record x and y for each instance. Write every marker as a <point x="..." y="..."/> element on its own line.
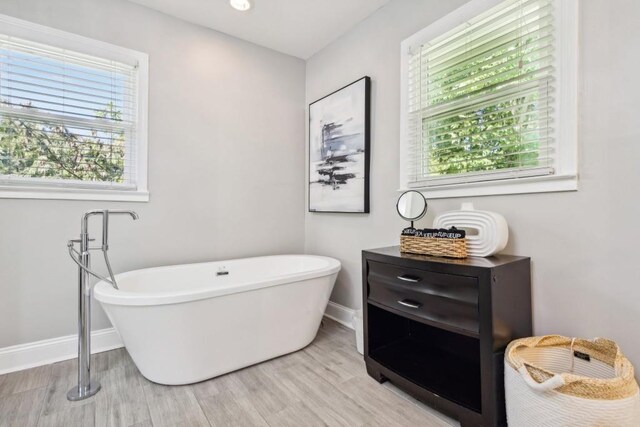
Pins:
<point x="72" y="116"/>
<point x="489" y="100"/>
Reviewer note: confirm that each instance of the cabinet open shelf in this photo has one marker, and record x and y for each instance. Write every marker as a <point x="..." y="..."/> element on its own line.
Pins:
<point x="440" y="361"/>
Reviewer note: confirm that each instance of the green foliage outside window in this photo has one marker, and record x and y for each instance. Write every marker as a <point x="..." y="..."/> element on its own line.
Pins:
<point x="502" y="134"/>
<point x="48" y="150"/>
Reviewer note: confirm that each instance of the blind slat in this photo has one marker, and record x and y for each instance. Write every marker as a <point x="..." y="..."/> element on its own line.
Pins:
<point x="544" y="112"/>
<point x="510" y="14"/>
<point x="58" y="111"/>
<point x="50" y="118"/>
<point x="483" y="176"/>
<point x="41" y="95"/>
<point x="487" y="62"/>
<point x="479" y="100"/>
<point x="496" y="45"/>
<point x="491" y="83"/>
<point x="434" y="148"/>
<point x="60" y="105"/>
<point x="54" y="182"/>
<point x="46" y="81"/>
<point x="61" y="55"/>
<point x="10" y="64"/>
<point x="88" y="139"/>
<point x="26" y="58"/>
<point x="125" y="98"/>
<point x="539" y="145"/>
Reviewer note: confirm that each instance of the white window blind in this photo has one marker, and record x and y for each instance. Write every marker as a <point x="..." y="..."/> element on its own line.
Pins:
<point x="66" y="118"/>
<point x="481" y="98"/>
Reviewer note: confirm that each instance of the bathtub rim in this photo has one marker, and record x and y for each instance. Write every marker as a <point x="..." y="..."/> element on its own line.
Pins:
<point x="106" y="294"/>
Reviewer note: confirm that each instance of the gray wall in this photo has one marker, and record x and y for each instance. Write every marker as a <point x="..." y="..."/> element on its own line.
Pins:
<point x="240" y="108"/>
<point x="585" y="281"/>
<point x="226" y="168"/>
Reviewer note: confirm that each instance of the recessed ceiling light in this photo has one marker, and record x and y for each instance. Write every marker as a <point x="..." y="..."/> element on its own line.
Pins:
<point x="241" y="5"/>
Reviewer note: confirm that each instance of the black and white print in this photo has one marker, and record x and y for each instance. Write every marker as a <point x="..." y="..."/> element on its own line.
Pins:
<point x="339" y="150"/>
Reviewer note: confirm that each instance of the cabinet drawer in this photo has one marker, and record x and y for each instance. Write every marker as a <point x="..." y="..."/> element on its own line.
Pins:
<point x="446" y="286"/>
<point x="451" y="301"/>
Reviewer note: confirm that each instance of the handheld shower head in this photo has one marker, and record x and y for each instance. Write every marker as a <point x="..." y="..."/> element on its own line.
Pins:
<point x="105" y="236"/>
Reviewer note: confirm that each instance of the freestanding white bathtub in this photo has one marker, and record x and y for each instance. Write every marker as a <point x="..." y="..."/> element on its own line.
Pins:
<point x="185" y="323"/>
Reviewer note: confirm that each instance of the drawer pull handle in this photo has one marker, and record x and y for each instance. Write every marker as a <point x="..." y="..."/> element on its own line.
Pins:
<point x="408" y="278"/>
<point x="409" y="303"/>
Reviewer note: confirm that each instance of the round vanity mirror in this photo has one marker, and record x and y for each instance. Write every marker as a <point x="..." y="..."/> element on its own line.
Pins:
<point x="412" y="205"/>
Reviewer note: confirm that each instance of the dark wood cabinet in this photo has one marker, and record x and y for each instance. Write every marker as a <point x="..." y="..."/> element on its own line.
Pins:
<point x="438" y="327"/>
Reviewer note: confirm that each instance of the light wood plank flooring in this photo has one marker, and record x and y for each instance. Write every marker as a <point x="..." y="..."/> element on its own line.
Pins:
<point x="323" y="384"/>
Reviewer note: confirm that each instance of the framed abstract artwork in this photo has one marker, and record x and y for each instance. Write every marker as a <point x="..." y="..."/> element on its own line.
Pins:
<point x="339" y="150"/>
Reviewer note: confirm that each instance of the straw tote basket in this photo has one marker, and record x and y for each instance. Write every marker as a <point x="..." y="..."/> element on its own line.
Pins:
<point x="559" y="381"/>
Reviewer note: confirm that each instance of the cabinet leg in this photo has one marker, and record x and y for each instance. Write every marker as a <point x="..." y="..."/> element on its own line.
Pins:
<point x="467" y="421"/>
<point x="375" y="374"/>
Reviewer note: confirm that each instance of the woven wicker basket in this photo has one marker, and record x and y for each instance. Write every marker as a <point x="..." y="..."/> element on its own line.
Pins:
<point x="450" y="248"/>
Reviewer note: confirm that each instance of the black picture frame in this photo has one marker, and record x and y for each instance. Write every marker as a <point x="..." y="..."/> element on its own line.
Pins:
<point x="367" y="147"/>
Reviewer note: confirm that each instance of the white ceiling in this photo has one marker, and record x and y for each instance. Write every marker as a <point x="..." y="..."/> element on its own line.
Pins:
<point x="295" y="27"/>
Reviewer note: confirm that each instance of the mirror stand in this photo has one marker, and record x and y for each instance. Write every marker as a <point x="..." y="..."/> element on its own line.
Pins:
<point x="411" y="206"/>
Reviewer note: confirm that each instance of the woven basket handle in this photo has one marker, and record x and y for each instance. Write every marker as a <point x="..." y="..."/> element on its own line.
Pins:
<point x="550" y="384"/>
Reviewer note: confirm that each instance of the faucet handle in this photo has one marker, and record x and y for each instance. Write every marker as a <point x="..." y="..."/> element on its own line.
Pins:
<point x="80" y="240"/>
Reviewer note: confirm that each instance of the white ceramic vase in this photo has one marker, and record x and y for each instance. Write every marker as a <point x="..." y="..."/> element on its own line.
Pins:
<point x="487" y="232"/>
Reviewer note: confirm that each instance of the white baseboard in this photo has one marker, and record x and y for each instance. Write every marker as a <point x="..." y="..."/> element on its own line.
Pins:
<point x="30" y="355"/>
<point x="340" y="314"/>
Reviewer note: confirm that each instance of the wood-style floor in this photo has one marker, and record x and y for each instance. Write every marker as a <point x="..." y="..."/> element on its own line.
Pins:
<point x="323" y="384"/>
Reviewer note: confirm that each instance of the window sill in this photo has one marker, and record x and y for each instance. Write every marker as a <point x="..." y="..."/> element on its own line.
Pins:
<point x="22" y="192"/>
<point x="546" y="184"/>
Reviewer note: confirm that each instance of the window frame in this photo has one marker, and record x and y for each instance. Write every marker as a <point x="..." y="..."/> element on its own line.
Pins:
<point x="565" y="177"/>
<point x="56" y="189"/>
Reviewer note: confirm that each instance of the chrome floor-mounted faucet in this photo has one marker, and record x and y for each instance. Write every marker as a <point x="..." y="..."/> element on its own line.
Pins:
<point x="87" y="388"/>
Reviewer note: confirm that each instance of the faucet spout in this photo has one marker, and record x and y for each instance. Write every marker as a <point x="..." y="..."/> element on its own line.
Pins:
<point x="133" y="214"/>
